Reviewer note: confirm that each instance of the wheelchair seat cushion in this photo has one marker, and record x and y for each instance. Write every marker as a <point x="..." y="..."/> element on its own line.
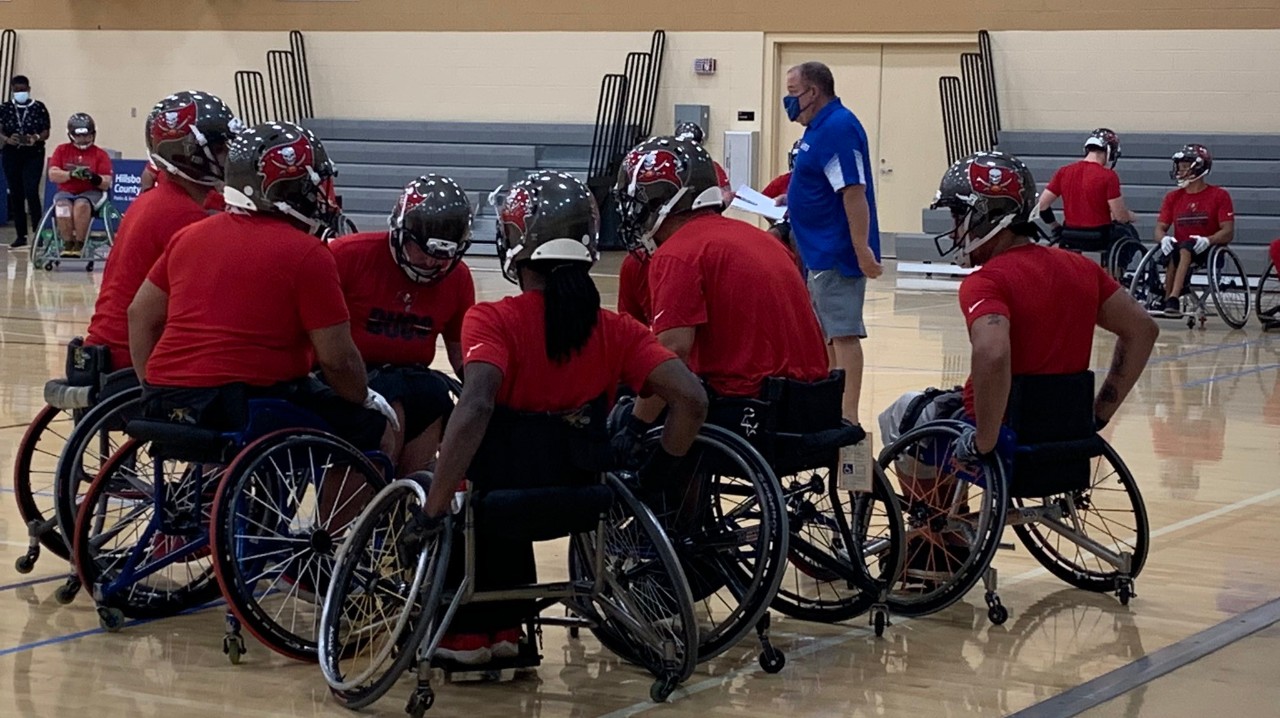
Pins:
<point x="541" y="514"/>
<point x="181" y="442"/>
<point x="1086" y="239"/>
<point x="785" y="407"/>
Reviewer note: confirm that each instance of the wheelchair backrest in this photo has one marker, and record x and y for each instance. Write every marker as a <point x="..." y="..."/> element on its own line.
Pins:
<point x="780" y="421"/>
<point x="525" y="450"/>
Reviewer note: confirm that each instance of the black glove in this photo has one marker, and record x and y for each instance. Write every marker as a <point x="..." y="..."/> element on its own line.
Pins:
<point x="626" y="441"/>
<point x="95" y="179"/>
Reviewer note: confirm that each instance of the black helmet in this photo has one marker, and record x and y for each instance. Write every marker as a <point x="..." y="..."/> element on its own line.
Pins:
<point x="690" y="131"/>
<point x="792" y="154"/>
<point x="550" y="215"/>
<point x="435" y="214"/>
<point x="81" y="126"/>
<point x="663" y="176"/>
<point x="1107" y="141"/>
<point x="985" y="192"/>
<point x="1199" y="164"/>
<point x="186" y="133"/>
<point x="282" y="168"/>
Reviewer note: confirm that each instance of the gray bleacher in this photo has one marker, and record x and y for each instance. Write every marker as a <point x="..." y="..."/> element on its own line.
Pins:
<point x="376" y="158"/>
<point x="1246" y="165"/>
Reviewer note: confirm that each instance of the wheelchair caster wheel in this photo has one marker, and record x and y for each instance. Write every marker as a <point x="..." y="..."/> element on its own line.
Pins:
<point x="878" y="621"/>
<point x="25" y="563"/>
<point x="662" y="689"/>
<point x="1125" y="592"/>
<point x="111" y="619"/>
<point x="420" y="702"/>
<point x="67" y="593"/>
<point x="772" y="660"/>
<point x="88" y="267"/>
<point x="48" y="266"/>
<point x="998" y="614"/>
<point x="233" y="646"/>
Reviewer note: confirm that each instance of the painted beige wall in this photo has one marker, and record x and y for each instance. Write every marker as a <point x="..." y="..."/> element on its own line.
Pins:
<point x="1140" y="80"/>
<point x="534" y="77"/>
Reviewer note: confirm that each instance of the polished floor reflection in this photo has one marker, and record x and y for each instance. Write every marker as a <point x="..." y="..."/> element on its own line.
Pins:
<point x="1201" y="433"/>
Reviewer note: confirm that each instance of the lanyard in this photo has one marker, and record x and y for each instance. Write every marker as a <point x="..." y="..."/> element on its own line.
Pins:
<point x="21" y="113"/>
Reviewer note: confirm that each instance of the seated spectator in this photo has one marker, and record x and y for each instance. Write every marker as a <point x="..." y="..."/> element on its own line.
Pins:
<point x="82" y="171"/>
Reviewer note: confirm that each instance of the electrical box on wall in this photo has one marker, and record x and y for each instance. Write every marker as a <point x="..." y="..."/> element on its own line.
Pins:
<point x="742" y="157"/>
<point x="704" y="66"/>
<point x="700" y="114"/>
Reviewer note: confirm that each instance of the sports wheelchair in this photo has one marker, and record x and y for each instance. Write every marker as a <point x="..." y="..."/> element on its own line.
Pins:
<point x="48" y="437"/>
<point x="1226" y="283"/>
<point x="845" y="537"/>
<point x="401" y="580"/>
<point x="50" y="247"/>
<point x="1266" y="300"/>
<point x="1068" y="496"/>
<point x="1119" y="246"/>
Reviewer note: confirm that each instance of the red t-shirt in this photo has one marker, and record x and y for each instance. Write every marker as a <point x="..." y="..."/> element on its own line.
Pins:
<point x="777" y="187"/>
<point x="1274" y="251"/>
<point x="722" y="177"/>
<point x="1051" y="299"/>
<point x="67" y="157"/>
<point x="395" y="320"/>
<point x="1202" y="213"/>
<point x="633" y="290"/>
<point x="214" y="201"/>
<point x="738" y="287"/>
<point x="144" y="233"/>
<point x="243" y="293"/>
<point x="511" y="335"/>
<point x="1086" y="188"/>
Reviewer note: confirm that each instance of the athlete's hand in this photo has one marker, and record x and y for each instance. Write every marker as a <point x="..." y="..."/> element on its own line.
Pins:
<point x="1167" y="244"/>
<point x="374" y="400"/>
<point x="1201" y="244"/>
<point x="868" y="264"/>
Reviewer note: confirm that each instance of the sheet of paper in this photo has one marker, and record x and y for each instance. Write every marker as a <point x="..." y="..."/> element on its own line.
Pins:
<point x="770" y="211"/>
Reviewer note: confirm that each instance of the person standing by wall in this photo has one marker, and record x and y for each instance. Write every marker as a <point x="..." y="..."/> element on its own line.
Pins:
<point x="832" y="208"/>
<point x="24" y="126"/>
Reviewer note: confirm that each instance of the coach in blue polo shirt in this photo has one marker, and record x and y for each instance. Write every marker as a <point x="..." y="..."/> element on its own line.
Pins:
<point x="833" y="216"/>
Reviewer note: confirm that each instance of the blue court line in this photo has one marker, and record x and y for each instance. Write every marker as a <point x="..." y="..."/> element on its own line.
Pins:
<point x="32" y="582"/>
<point x="1231" y="375"/>
<point x="1203" y="350"/>
<point x="92" y="631"/>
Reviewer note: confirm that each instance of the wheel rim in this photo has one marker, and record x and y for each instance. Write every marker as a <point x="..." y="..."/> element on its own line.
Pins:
<point x="1230" y="287"/>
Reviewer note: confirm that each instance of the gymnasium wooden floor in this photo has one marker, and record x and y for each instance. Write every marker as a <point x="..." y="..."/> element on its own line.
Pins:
<point x="1202" y="433"/>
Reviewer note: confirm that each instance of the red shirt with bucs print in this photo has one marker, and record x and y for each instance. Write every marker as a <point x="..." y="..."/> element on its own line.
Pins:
<point x="1202" y="213"/>
<point x="395" y="320"/>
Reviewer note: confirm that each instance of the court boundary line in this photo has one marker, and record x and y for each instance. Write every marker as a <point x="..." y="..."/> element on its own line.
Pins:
<point x="841" y="638"/>
<point x="1152" y="666"/>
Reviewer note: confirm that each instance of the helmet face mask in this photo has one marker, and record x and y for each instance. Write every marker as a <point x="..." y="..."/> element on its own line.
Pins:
<point x="986" y="194"/>
<point x="430" y="228"/>
<point x="1191" y="163"/>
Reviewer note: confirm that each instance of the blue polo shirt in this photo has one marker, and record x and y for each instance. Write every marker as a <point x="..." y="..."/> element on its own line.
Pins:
<point x="833" y="155"/>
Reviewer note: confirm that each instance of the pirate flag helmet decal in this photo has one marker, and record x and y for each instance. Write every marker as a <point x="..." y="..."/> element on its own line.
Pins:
<point x="985" y="193"/>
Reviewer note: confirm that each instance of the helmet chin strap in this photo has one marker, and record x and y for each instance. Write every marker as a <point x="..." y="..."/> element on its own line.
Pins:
<point x="965" y="255"/>
<point x="647" y="239"/>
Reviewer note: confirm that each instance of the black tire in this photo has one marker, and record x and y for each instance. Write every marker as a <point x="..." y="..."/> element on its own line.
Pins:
<point x="1229" y="285"/>
<point x="1063" y="558"/>
<point x="1266" y="303"/>
<point x="185" y="577"/>
<point x="33" y="483"/>
<point x="1123" y="258"/>
<point x="924" y="586"/>
<point x="259" y="501"/>
<point x="358" y="567"/>
<point x="845" y="549"/>
<point x="1147" y="285"/>
<point x="626" y="567"/>
<point x="95" y="439"/>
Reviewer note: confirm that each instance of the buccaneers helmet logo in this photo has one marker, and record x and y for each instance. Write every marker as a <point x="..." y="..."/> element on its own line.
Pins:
<point x="173" y="124"/>
<point x="654" y="166"/>
<point x="994" y="181"/>
<point x="410" y="198"/>
<point x="517" y="210"/>
<point x="287" y="162"/>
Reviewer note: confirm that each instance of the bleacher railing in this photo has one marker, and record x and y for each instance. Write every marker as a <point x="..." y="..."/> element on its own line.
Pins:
<point x="625" y="112"/>
<point x="289" y="84"/>
<point x="970" y="107"/>
<point x="8" y="58"/>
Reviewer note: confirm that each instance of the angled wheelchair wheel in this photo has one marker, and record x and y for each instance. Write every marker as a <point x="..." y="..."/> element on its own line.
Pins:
<point x="141" y="541"/>
<point x="1229" y="286"/>
<point x="284" y="506"/>
<point x="34" y="470"/>
<point x="644" y="610"/>
<point x="954" y="515"/>
<point x="97" y="436"/>
<point x="386" y="591"/>
<point x="1266" y="302"/>
<point x="845" y="550"/>
<point x="1147" y="283"/>
<point x="1109" y="514"/>
<point x="730" y="532"/>
<point x="1123" y="259"/>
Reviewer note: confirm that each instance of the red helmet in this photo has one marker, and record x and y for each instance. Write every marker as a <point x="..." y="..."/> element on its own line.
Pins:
<point x="1190" y="164"/>
<point x="1107" y="141"/>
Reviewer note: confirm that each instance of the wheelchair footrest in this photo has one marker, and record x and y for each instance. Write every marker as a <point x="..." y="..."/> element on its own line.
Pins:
<point x="499" y="670"/>
<point x="61" y="395"/>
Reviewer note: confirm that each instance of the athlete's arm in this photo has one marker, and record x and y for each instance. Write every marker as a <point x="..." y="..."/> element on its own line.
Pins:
<point x="147" y="314"/>
<point x="454" y="351"/>
<point x="680" y="342"/>
<point x="1120" y="211"/>
<point x="463" y="434"/>
<point x="680" y="389"/>
<point x="1136" y="334"/>
<point x="340" y="362"/>
<point x="1225" y="234"/>
<point x="1162" y="229"/>
<point x="992" y="375"/>
<point x="1047" y="198"/>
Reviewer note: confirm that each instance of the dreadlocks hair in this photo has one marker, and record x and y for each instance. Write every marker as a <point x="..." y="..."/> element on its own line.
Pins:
<point x="572" y="306"/>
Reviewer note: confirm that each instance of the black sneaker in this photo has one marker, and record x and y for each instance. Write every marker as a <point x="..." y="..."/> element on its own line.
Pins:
<point x="19" y="242"/>
<point x="1172" y="307"/>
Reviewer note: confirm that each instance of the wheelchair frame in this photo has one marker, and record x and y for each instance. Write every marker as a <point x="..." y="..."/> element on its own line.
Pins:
<point x="46" y="250"/>
<point x="1110" y="255"/>
<point x="1147" y="287"/>
<point x="1267" y="298"/>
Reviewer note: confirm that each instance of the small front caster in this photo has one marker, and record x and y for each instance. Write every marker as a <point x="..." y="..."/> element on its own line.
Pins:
<point x="1124" y="591"/>
<point x="233" y="646"/>
<point x="68" y="591"/>
<point x="27" y="561"/>
<point x="111" y="619"/>
<point x="996" y="610"/>
<point x="662" y="689"/>
<point x="420" y="702"/>
<point x="879" y="620"/>
<point x="772" y="660"/>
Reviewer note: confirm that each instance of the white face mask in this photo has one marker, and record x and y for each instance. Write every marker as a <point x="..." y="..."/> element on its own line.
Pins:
<point x="22" y="98"/>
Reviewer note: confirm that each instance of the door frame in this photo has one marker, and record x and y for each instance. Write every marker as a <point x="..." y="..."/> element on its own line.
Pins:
<point x="771" y="113"/>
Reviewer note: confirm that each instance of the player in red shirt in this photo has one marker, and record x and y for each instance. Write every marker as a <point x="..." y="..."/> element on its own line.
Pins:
<point x="240" y="303"/>
<point x="1018" y="321"/>
<point x="82" y="171"/>
<point x="633" y="287"/>
<point x="777" y="190"/>
<point x="725" y="298"/>
<point x="405" y="288"/>
<point x="1201" y="216"/>
<point x="193" y="149"/>
<point x="551" y="348"/>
